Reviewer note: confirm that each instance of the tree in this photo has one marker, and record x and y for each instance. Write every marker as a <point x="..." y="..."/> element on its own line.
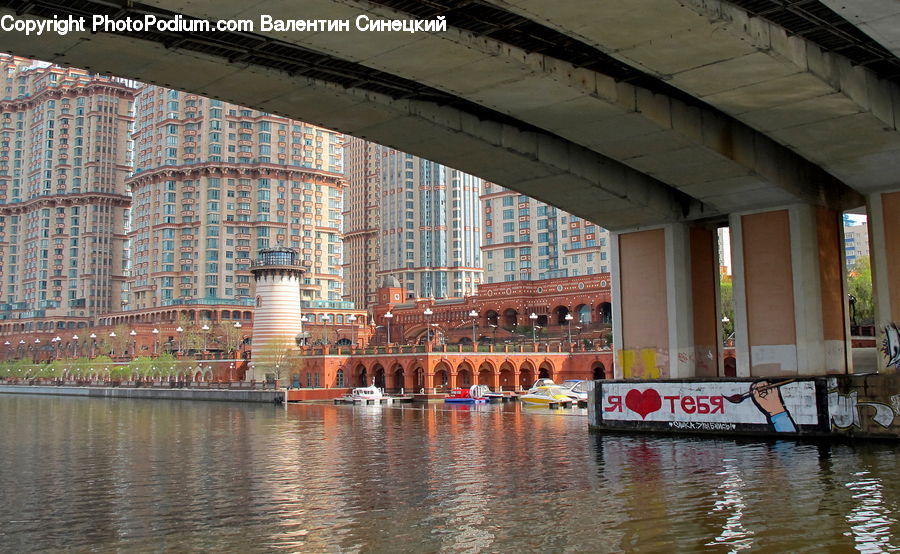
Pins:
<point x="118" y="344"/>
<point x="192" y="336"/>
<point x="726" y="299"/>
<point x="229" y="337"/>
<point x="272" y="357"/>
<point x="859" y="286"/>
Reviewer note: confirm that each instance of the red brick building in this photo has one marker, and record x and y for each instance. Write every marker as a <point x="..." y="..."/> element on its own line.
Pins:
<point x="503" y="313"/>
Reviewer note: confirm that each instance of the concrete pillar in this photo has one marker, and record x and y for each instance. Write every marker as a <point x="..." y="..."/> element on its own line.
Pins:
<point x="884" y="223"/>
<point x="665" y="302"/>
<point x="789" y="302"/>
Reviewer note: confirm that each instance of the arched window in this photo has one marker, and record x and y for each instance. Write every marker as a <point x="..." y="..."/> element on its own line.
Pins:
<point x="340" y="378"/>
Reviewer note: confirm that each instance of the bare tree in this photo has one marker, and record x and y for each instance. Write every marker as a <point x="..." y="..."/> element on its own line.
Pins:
<point x="229" y="337"/>
<point x="272" y="358"/>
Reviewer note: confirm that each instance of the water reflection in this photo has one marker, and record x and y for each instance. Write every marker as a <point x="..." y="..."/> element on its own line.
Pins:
<point x="118" y="474"/>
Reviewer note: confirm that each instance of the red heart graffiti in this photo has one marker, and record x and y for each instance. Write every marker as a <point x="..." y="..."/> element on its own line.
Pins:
<point x="643" y="403"/>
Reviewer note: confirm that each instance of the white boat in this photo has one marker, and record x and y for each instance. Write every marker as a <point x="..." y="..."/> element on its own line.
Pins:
<point x="542" y="382"/>
<point x="574" y="389"/>
<point x="546" y="395"/>
<point x="365" y="393"/>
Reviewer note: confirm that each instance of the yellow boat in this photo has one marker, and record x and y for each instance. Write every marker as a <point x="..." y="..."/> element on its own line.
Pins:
<point x="545" y="395"/>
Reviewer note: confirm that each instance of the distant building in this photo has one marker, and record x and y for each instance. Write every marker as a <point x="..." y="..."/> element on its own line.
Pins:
<point x="856" y="242"/>
<point x="362" y="214"/>
<point x="213" y="184"/>
<point x="426" y="231"/>
<point x="64" y="207"/>
<point x="525" y="239"/>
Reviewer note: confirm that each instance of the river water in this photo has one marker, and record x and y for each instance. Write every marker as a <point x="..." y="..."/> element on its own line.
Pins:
<point x="138" y="475"/>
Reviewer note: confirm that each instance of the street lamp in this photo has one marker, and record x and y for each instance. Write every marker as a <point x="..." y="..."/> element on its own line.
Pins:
<point x="428" y="313"/>
<point x="388" y="316"/>
<point x="155" y="332"/>
<point x="75" y="346"/>
<point x="474" y="315"/>
<point x="133" y="334"/>
<point x="533" y="317"/>
<point x="325" y="319"/>
<point x="180" y="330"/>
<point x="569" y="319"/>
<point x="205" y="330"/>
<point x="93" y="343"/>
<point x="351" y="319"/>
<point x="57" y="339"/>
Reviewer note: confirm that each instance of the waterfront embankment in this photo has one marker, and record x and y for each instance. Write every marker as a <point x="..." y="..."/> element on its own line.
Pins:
<point x="230" y="395"/>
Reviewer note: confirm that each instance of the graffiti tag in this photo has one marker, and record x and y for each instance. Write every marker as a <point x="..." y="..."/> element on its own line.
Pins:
<point x="846" y="410"/>
<point x="891" y="345"/>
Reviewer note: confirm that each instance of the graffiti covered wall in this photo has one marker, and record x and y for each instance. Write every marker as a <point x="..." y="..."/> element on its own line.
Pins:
<point x="845" y="405"/>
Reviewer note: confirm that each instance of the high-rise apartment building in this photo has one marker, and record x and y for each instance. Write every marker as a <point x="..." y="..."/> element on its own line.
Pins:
<point x="428" y="227"/>
<point x="213" y="184"/>
<point x="362" y="205"/>
<point x="64" y="207"/>
<point x="525" y="239"/>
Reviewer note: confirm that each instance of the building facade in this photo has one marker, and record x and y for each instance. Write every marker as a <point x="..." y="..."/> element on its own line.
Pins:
<point x="427" y="232"/>
<point x="64" y="207"/>
<point x="362" y="203"/>
<point x="525" y="239"/>
<point x="856" y="242"/>
<point x="565" y="309"/>
<point x="213" y="184"/>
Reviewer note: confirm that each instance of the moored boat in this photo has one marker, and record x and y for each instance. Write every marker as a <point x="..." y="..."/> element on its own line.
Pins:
<point x="545" y="396"/>
<point x="574" y="389"/>
<point x="472" y="395"/>
<point x="363" y="394"/>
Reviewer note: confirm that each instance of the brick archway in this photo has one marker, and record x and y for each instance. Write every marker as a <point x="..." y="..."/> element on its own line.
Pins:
<point x="465" y="375"/>
<point x="398" y="377"/>
<point x="486" y="374"/>
<point x="526" y="374"/>
<point x="441" y="375"/>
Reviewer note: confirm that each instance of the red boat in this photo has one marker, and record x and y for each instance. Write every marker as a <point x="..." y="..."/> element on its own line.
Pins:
<point x="471" y="395"/>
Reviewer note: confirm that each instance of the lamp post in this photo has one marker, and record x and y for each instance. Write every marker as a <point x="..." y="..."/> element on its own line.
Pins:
<point x="205" y="330"/>
<point x="325" y="320"/>
<point x="133" y="334"/>
<point x="22" y="346"/>
<point x="56" y="340"/>
<point x="93" y="343"/>
<point x="7" y="348"/>
<point x="237" y="325"/>
<point x="180" y="331"/>
<point x="474" y="315"/>
<point x="428" y="313"/>
<point x="155" y="333"/>
<point x="388" y="316"/>
<point x="351" y="319"/>
<point x="74" y="346"/>
<point x="569" y="319"/>
<point x="112" y="335"/>
<point x="533" y="317"/>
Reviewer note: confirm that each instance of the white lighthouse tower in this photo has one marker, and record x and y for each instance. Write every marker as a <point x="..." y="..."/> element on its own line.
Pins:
<point x="276" y="320"/>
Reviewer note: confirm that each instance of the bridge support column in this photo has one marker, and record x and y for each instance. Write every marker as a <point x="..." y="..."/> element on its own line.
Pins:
<point x="884" y="226"/>
<point x="789" y="302"/>
<point x="665" y="302"/>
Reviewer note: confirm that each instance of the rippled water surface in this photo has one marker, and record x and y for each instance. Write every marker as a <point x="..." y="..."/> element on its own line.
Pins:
<point x="133" y="475"/>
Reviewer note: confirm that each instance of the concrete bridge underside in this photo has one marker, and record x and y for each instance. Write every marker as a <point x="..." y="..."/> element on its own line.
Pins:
<point x="657" y="116"/>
